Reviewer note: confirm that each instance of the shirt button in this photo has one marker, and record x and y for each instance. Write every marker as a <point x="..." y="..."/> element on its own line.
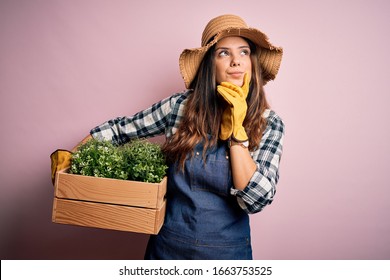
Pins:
<point x="197" y="153"/>
<point x="227" y="157"/>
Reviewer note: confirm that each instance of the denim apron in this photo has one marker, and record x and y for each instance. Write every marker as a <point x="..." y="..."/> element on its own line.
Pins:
<point x="203" y="221"/>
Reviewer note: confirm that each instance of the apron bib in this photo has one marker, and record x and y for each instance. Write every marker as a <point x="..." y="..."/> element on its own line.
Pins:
<point x="203" y="221"/>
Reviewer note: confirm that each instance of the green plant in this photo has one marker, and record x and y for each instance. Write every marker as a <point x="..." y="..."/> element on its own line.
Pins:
<point x="138" y="160"/>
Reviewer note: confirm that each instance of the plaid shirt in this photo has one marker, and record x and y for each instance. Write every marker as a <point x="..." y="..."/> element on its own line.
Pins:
<point x="164" y="118"/>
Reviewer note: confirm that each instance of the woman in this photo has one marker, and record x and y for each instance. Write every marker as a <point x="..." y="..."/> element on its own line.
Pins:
<point x="223" y="143"/>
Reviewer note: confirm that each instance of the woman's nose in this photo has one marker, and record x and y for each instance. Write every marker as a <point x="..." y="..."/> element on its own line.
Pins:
<point x="235" y="62"/>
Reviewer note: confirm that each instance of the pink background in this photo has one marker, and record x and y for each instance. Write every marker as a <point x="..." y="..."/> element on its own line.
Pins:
<point x="66" y="66"/>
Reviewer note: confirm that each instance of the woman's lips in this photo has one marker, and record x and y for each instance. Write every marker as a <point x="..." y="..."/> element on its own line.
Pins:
<point x="236" y="74"/>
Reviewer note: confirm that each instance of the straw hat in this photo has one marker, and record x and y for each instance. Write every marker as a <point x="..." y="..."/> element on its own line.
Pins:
<point x="225" y="26"/>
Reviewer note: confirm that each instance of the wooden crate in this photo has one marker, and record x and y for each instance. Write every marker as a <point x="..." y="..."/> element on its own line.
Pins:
<point x="109" y="203"/>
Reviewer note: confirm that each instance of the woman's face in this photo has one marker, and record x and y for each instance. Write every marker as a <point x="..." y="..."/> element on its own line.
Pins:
<point x="232" y="60"/>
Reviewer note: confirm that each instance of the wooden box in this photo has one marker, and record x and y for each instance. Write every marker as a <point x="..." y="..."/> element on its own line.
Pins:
<point x="109" y="203"/>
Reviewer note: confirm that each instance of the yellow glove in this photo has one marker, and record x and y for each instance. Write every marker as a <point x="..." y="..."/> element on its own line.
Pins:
<point x="234" y="114"/>
<point x="60" y="159"/>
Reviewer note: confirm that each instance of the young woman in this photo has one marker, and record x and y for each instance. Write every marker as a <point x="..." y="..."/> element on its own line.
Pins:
<point x="223" y="143"/>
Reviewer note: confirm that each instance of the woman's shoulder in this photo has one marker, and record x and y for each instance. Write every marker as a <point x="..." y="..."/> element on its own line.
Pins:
<point x="174" y="103"/>
<point x="176" y="99"/>
<point x="180" y="96"/>
<point x="273" y="119"/>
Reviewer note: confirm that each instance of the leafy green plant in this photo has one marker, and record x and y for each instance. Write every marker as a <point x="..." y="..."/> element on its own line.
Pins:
<point x="138" y="160"/>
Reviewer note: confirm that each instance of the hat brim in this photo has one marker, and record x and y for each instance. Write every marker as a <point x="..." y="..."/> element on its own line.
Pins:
<point x="270" y="55"/>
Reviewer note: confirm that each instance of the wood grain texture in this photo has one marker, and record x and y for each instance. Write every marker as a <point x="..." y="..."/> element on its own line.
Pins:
<point x="108" y="216"/>
<point x="113" y="191"/>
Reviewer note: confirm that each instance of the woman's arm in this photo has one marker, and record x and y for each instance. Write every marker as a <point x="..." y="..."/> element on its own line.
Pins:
<point x="243" y="166"/>
<point x="154" y="121"/>
<point x="261" y="188"/>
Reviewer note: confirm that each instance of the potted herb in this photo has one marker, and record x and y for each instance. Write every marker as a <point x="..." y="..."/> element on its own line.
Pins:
<point x="139" y="160"/>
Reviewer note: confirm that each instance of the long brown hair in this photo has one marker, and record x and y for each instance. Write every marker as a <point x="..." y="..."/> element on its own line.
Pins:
<point x="202" y="115"/>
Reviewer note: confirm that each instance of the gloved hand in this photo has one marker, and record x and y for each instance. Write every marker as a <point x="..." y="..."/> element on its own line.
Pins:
<point x="60" y="159"/>
<point x="234" y="114"/>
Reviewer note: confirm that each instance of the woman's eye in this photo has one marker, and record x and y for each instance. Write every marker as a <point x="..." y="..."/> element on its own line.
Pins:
<point x="245" y="52"/>
<point x="223" y="53"/>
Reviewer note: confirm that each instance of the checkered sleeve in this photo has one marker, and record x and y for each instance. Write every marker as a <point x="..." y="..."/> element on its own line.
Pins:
<point x="162" y="117"/>
<point x="262" y="186"/>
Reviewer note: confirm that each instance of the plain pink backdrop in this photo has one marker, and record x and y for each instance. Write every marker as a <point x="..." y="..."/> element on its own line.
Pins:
<point x="66" y="66"/>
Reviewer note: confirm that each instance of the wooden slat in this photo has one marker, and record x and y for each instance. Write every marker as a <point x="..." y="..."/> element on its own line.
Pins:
<point x="162" y="190"/>
<point x="107" y="216"/>
<point x="113" y="191"/>
<point x="160" y="216"/>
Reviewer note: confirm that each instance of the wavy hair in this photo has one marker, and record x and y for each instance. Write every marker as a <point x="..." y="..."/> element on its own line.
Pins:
<point x="203" y="112"/>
